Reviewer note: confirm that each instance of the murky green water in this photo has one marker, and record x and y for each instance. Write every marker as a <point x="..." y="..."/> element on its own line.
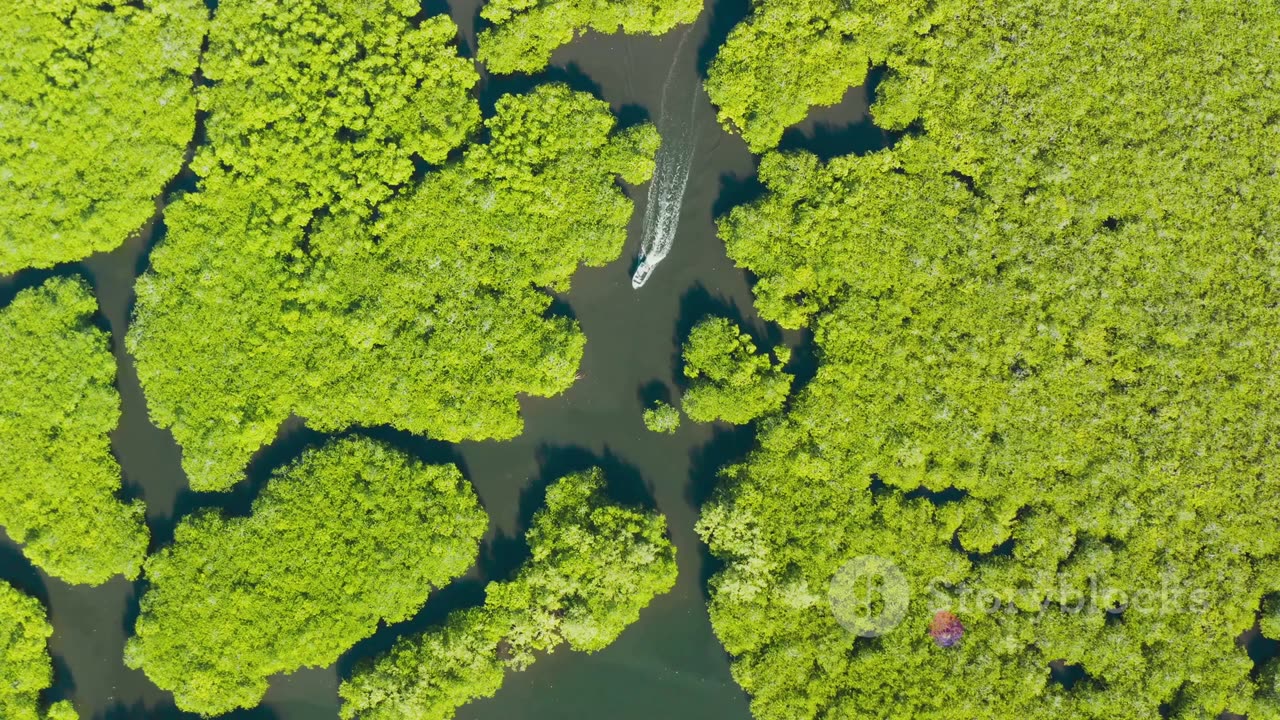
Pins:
<point x="669" y="665"/>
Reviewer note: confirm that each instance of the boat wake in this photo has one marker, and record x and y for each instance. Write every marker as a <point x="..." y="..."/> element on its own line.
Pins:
<point x="670" y="177"/>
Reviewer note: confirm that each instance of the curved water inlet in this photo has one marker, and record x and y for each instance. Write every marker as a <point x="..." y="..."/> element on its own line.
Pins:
<point x="670" y="176"/>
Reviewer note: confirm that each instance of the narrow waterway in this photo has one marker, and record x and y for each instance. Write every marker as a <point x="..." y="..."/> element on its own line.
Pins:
<point x="668" y="665"/>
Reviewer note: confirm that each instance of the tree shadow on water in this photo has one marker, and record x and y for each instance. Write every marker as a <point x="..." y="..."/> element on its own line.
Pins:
<point x="630" y="115"/>
<point x="479" y="24"/>
<point x="623" y="483"/>
<point x="430" y="9"/>
<point x="18" y="571"/>
<point x="1066" y="674"/>
<point x="422" y="449"/>
<point x="11" y="285"/>
<point x="493" y="87"/>
<point x="64" y="685"/>
<point x="132" y="605"/>
<point x="503" y="553"/>
<point x="729" y="444"/>
<point x="724" y="16"/>
<point x="804" y="361"/>
<point x="1260" y="649"/>
<point x="653" y="392"/>
<point x="169" y="711"/>
<point x="736" y="190"/>
<point x="834" y="138"/>
<point x="560" y="307"/>
<point x="465" y="592"/>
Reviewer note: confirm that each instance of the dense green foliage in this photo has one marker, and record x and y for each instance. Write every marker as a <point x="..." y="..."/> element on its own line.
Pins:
<point x="788" y="56"/>
<point x="350" y="535"/>
<point x="526" y="32"/>
<point x="430" y="676"/>
<point x="1047" y="330"/>
<point x="594" y="566"/>
<point x="728" y="380"/>
<point x="58" y="402"/>
<point x="96" y="110"/>
<point x="320" y="108"/>
<point x="25" y="669"/>
<point x="662" y="418"/>
<point x="294" y="283"/>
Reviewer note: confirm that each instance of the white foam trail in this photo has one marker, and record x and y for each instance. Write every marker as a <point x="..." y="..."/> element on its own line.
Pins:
<point x="670" y="177"/>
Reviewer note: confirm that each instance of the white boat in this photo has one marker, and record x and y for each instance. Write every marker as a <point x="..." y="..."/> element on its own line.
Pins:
<point x="642" y="274"/>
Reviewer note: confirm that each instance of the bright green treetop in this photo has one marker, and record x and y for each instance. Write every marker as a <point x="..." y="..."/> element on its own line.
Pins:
<point x="728" y="380"/>
<point x="25" y="669"/>
<point x="350" y="535"/>
<point x="593" y="567"/>
<point x="1046" y="328"/>
<point x="308" y="290"/>
<point x="430" y="676"/>
<point x="96" y="110"/>
<point x="320" y="108"/>
<point x="662" y="418"/>
<point x="58" y="402"/>
<point x="788" y="56"/>
<point x="526" y="32"/>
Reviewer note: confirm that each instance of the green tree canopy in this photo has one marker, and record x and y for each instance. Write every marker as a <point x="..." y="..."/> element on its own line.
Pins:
<point x="594" y="566"/>
<point x="728" y="380"/>
<point x="662" y="418"/>
<point x="58" y="402"/>
<point x="526" y="32"/>
<point x="352" y="534"/>
<point x="96" y="111"/>
<point x="302" y="287"/>
<point x="26" y="670"/>
<point x="1046" y="326"/>
<point x="789" y="56"/>
<point x="320" y="108"/>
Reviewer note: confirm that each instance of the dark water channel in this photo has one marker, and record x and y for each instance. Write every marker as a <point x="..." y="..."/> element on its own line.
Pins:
<point x="668" y="665"/>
